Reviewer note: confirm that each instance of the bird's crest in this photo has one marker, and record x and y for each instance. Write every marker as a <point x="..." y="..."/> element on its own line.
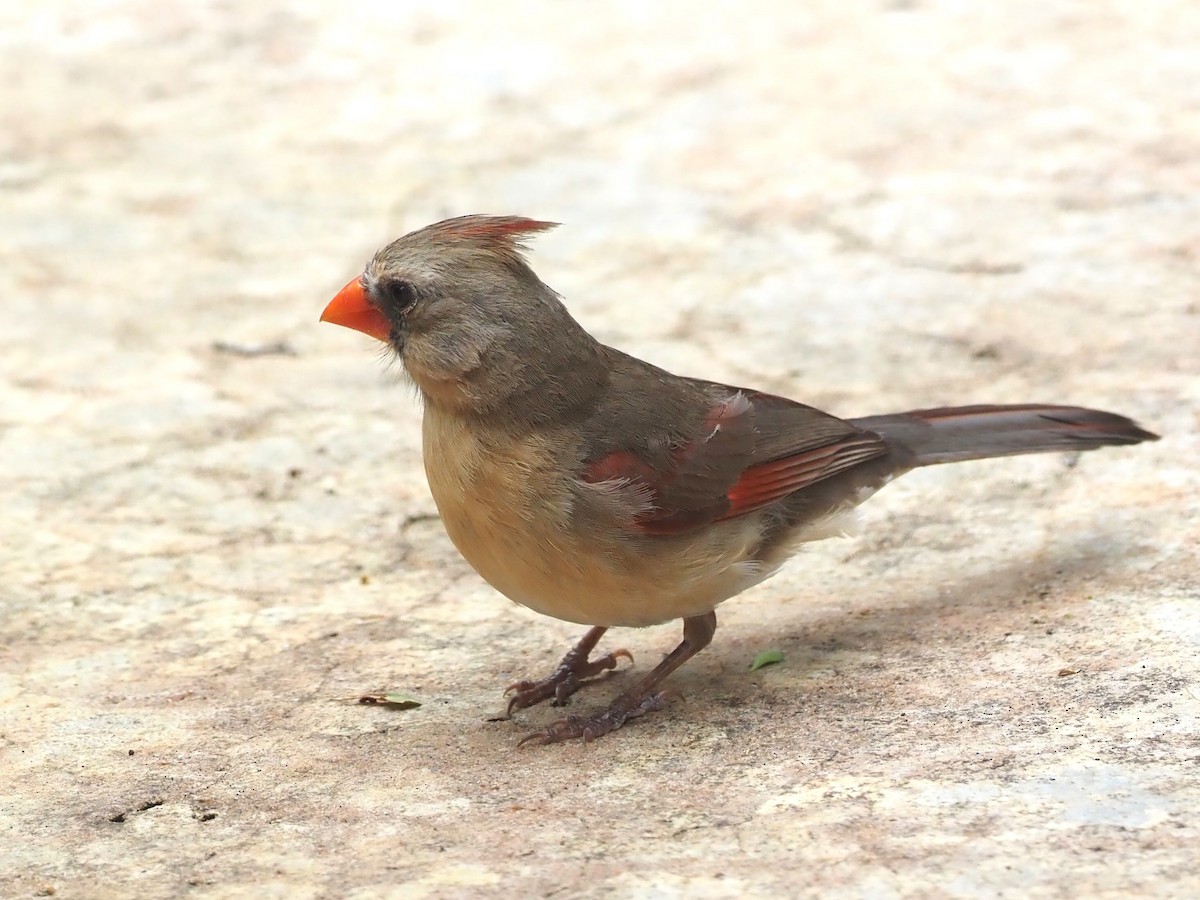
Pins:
<point x="498" y="233"/>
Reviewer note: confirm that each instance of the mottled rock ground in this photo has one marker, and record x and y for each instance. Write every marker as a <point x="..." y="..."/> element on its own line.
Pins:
<point x="216" y="532"/>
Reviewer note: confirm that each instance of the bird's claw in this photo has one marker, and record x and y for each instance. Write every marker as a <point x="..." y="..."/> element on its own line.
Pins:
<point x="591" y="727"/>
<point x="569" y="677"/>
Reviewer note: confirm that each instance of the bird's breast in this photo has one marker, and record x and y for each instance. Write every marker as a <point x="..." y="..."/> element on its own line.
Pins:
<point x="503" y="505"/>
<point x="512" y="508"/>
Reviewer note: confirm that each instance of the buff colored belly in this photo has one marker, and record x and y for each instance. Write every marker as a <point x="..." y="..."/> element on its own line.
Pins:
<point x="509" y="518"/>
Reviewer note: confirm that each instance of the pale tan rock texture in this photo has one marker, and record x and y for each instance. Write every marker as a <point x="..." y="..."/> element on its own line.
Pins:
<point x="216" y="534"/>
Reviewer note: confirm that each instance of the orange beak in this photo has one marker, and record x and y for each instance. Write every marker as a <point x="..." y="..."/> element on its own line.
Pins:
<point x="351" y="309"/>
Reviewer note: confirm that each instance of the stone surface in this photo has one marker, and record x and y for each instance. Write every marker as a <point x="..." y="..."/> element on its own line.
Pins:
<point x="207" y="553"/>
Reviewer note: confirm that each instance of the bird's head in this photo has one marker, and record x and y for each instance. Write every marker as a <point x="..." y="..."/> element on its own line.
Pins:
<point x="468" y="319"/>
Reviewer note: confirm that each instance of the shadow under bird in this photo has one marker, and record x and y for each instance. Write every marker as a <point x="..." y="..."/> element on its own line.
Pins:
<point x="591" y="486"/>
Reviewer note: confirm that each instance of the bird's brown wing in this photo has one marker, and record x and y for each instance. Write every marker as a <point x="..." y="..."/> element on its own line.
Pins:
<point x="751" y="450"/>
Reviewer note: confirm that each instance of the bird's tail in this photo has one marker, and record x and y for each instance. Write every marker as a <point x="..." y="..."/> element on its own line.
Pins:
<point x="959" y="433"/>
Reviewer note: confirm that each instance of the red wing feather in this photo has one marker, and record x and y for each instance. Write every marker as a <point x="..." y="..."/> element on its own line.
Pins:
<point x="763" y="484"/>
<point x="710" y="478"/>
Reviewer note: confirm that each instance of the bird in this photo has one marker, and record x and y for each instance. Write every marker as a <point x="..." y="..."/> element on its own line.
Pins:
<point x="594" y="487"/>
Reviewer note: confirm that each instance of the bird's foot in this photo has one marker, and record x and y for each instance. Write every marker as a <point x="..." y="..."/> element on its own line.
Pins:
<point x="572" y="673"/>
<point x="589" y="728"/>
<point x="643" y="697"/>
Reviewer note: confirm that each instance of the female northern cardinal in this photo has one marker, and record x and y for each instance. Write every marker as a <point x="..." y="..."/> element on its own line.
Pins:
<point x="594" y="487"/>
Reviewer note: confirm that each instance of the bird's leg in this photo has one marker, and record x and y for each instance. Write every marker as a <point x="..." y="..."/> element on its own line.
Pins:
<point x="643" y="697"/>
<point x="572" y="674"/>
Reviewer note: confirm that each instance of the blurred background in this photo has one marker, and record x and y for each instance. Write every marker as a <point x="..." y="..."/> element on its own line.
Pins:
<point x="215" y="520"/>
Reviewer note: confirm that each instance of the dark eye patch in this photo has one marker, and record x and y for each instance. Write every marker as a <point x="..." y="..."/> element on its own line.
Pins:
<point x="395" y="296"/>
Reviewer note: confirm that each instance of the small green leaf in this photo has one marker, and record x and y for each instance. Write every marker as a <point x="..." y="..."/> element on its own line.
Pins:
<point x="766" y="658"/>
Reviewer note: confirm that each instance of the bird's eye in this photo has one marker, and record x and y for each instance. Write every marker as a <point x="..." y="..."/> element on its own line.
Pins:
<point x="396" y="296"/>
